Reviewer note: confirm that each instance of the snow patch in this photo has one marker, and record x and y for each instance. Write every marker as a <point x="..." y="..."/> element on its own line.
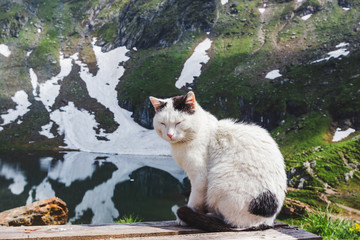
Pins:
<point x="223" y="2"/>
<point x="306" y="17"/>
<point x="273" y="74"/>
<point x="34" y="81"/>
<point x="192" y="66"/>
<point x="342" y="45"/>
<point x="80" y="129"/>
<point x="49" y="90"/>
<point x="28" y="53"/>
<point x="45" y="130"/>
<point x="22" y="107"/>
<point x="4" y="50"/>
<point x="341" y="52"/>
<point x="261" y="10"/>
<point x="340" y="135"/>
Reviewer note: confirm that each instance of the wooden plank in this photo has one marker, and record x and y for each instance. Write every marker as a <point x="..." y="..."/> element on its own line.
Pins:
<point x="84" y="232"/>
<point x="146" y="230"/>
<point x="291" y="233"/>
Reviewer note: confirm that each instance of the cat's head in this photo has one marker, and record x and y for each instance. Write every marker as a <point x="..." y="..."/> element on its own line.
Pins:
<point x="174" y="116"/>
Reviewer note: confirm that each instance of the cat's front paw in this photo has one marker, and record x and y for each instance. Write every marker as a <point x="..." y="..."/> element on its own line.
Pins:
<point x="180" y="222"/>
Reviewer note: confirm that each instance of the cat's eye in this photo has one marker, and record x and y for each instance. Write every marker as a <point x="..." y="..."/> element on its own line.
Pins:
<point x="162" y="123"/>
<point x="177" y="123"/>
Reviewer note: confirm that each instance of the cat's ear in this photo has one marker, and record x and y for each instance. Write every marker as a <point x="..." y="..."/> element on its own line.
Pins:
<point x="157" y="103"/>
<point x="190" y="99"/>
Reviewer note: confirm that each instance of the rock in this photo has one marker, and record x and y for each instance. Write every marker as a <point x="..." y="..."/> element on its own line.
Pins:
<point x="313" y="164"/>
<point x="327" y="168"/>
<point x="344" y="4"/>
<point x="148" y="28"/>
<point x="294" y="207"/>
<point x="52" y="211"/>
<point x="301" y="183"/>
<point x="348" y="176"/>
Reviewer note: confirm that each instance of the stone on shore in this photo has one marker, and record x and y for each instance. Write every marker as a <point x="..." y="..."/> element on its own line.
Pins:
<point x="52" y="211"/>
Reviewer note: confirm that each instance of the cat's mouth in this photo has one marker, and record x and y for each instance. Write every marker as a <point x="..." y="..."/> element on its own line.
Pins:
<point x="172" y="140"/>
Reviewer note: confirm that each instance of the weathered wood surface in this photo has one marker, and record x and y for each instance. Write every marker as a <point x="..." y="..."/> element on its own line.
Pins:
<point x="147" y="230"/>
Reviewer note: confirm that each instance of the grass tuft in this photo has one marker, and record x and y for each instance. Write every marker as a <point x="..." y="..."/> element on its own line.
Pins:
<point x="129" y="219"/>
<point x="322" y="223"/>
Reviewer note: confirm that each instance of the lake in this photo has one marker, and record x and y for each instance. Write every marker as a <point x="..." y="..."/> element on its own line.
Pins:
<point x="98" y="188"/>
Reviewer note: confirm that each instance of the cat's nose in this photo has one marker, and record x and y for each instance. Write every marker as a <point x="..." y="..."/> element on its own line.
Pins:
<point x="169" y="135"/>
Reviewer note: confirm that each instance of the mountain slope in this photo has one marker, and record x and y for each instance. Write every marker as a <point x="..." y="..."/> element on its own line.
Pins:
<point x="290" y="66"/>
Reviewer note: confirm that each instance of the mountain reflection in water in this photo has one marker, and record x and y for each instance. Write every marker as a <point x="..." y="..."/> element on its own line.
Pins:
<point x="98" y="188"/>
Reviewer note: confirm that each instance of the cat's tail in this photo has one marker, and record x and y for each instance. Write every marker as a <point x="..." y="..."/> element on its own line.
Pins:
<point x="202" y="221"/>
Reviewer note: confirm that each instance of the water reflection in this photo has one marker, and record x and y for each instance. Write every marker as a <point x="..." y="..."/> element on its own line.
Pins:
<point x="97" y="188"/>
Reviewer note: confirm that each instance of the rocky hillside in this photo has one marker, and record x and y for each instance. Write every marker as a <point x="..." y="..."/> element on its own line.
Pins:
<point x="288" y="65"/>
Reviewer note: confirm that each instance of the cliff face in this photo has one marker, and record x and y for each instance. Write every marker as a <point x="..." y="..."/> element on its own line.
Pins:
<point x="159" y="24"/>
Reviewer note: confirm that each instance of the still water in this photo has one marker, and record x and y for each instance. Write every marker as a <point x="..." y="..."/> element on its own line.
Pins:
<point x="98" y="188"/>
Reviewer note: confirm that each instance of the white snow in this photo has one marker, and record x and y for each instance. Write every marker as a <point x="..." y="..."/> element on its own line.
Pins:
<point x="223" y="2"/>
<point x="49" y="90"/>
<point x="273" y="74"/>
<point x="342" y="45"/>
<point x="39" y="30"/>
<point x="28" y="53"/>
<point x="261" y="10"/>
<point x="341" y="52"/>
<point x="4" y="50"/>
<point x="45" y="130"/>
<point x="10" y="173"/>
<point x="78" y="125"/>
<point x="340" y="135"/>
<point x="22" y="107"/>
<point x="299" y="1"/>
<point x="192" y="66"/>
<point x="306" y="17"/>
<point x="346" y="9"/>
<point x="34" y="81"/>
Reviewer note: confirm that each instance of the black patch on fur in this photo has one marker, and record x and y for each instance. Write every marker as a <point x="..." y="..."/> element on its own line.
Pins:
<point x="162" y="105"/>
<point x="265" y="205"/>
<point x="179" y="103"/>
<point x="202" y="221"/>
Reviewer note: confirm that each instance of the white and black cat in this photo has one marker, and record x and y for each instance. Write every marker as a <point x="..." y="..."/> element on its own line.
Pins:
<point x="236" y="170"/>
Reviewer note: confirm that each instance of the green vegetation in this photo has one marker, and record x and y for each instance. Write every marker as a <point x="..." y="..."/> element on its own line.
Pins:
<point x="10" y="14"/>
<point x="109" y="31"/>
<point x="322" y="223"/>
<point x="129" y="219"/>
<point x="114" y="9"/>
<point x="153" y="73"/>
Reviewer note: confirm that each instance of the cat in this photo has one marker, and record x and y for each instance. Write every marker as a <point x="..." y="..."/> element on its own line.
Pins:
<point x="236" y="170"/>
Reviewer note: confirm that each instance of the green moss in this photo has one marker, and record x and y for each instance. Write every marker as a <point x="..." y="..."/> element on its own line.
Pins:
<point x="47" y="9"/>
<point x="153" y="73"/>
<point x="109" y="31"/>
<point x="46" y="50"/>
<point x="307" y="196"/>
<point x="114" y="9"/>
<point x="10" y="14"/>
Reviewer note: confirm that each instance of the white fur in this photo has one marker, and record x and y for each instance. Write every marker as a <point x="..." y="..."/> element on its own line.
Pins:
<point x="228" y="164"/>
